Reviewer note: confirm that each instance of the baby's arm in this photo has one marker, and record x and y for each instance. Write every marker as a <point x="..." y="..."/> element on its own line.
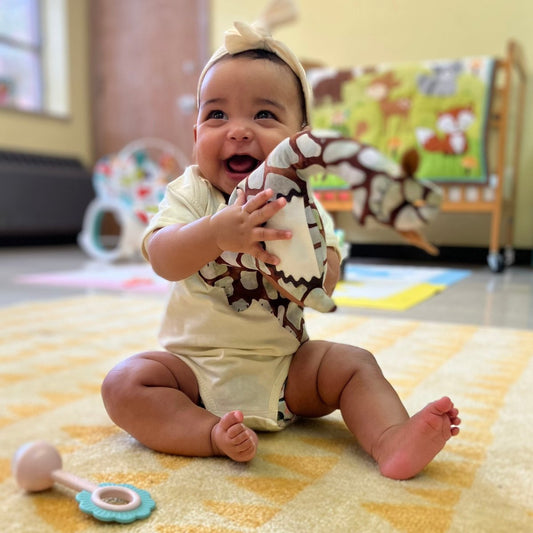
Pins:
<point x="179" y="250"/>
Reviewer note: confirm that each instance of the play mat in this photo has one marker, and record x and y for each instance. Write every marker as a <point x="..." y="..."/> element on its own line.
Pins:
<point x="393" y="287"/>
<point x="369" y="286"/>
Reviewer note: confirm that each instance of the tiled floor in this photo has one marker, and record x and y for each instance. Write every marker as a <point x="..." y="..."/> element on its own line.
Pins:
<point x="483" y="298"/>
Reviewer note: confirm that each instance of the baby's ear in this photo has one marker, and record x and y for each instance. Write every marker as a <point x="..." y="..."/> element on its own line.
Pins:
<point x="195" y="134"/>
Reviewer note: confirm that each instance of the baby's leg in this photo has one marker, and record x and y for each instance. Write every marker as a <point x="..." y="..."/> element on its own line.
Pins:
<point x="154" y="397"/>
<point x="325" y="376"/>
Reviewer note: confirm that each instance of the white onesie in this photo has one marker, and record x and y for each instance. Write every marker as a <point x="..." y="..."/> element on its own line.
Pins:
<point x="239" y="349"/>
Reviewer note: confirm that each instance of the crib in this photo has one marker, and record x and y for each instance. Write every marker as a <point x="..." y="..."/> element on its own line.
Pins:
<point x="496" y="195"/>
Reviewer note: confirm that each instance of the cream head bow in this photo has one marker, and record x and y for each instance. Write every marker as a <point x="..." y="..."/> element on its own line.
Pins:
<point x="244" y="37"/>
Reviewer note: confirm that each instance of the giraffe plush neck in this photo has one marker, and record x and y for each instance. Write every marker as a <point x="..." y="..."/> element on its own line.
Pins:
<point x="381" y="190"/>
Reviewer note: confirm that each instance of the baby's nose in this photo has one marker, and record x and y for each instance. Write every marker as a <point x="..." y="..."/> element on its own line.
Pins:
<point x="240" y="132"/>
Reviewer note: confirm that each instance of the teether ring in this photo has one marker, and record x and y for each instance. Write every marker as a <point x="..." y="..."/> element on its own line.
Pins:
<point x="37" y="466"/>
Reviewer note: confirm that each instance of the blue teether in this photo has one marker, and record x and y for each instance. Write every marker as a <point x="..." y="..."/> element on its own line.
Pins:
<point x="37" y="465"/>
<point x="108" y="503"/>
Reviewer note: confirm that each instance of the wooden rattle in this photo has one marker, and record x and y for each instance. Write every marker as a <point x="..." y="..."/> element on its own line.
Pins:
<point x="37" y="466"/>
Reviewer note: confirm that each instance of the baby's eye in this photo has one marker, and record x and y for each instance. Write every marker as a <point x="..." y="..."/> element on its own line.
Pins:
<point x="265" y="114"/>
<point x="216" y="114"/>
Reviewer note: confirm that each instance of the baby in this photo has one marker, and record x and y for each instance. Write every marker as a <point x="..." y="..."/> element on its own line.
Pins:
<point x="226" y="372"/>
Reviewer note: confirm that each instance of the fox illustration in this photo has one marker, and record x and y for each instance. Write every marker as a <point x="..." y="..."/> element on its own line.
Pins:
<point x="453" y="123"/>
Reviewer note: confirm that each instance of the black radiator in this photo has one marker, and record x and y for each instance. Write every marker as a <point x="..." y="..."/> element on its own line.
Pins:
<point x="42" y="196"/>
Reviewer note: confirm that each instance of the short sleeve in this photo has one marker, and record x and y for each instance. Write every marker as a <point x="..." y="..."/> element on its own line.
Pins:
<point x="187" y="198"/>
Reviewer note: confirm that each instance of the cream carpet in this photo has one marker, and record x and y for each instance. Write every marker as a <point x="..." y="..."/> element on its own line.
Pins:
<point x="311" y="477"/>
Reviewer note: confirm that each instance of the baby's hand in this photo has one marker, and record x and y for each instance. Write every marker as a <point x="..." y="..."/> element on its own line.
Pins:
<point x="240" y="227"/>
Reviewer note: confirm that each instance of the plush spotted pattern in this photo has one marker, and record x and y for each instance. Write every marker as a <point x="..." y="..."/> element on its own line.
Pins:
<point x="381" y="190"/>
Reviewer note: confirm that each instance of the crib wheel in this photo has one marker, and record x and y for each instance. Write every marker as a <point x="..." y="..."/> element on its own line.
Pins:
<point x="509" y="256"/>
<point x="496" y="262"/>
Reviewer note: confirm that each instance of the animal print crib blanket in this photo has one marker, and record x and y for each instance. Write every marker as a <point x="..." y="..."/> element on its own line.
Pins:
<point x="439" y="107"/>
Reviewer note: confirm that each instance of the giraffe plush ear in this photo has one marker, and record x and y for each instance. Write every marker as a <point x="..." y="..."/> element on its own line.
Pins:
<point x="302" y="269"/>
<point x="409" y="163"/>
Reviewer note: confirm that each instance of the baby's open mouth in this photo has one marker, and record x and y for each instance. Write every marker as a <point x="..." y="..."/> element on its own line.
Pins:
<point x="242" y="164"/>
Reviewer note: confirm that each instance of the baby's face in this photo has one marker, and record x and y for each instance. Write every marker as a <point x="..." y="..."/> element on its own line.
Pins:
<point x="247" y="107"/>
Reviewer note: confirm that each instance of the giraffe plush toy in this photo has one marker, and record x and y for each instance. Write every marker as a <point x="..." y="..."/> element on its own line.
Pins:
<point x="382" y="190"/>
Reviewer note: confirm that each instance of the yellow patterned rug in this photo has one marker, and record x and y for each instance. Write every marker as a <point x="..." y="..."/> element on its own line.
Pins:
<point x="310" y="477"/>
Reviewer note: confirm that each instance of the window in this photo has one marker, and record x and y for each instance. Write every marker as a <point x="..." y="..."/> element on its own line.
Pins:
<point x="33" y="56"/>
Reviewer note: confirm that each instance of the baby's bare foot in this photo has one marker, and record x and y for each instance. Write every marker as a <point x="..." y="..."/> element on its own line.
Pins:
<point x="404" y="450"/>
<point x="231" y="437"/>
